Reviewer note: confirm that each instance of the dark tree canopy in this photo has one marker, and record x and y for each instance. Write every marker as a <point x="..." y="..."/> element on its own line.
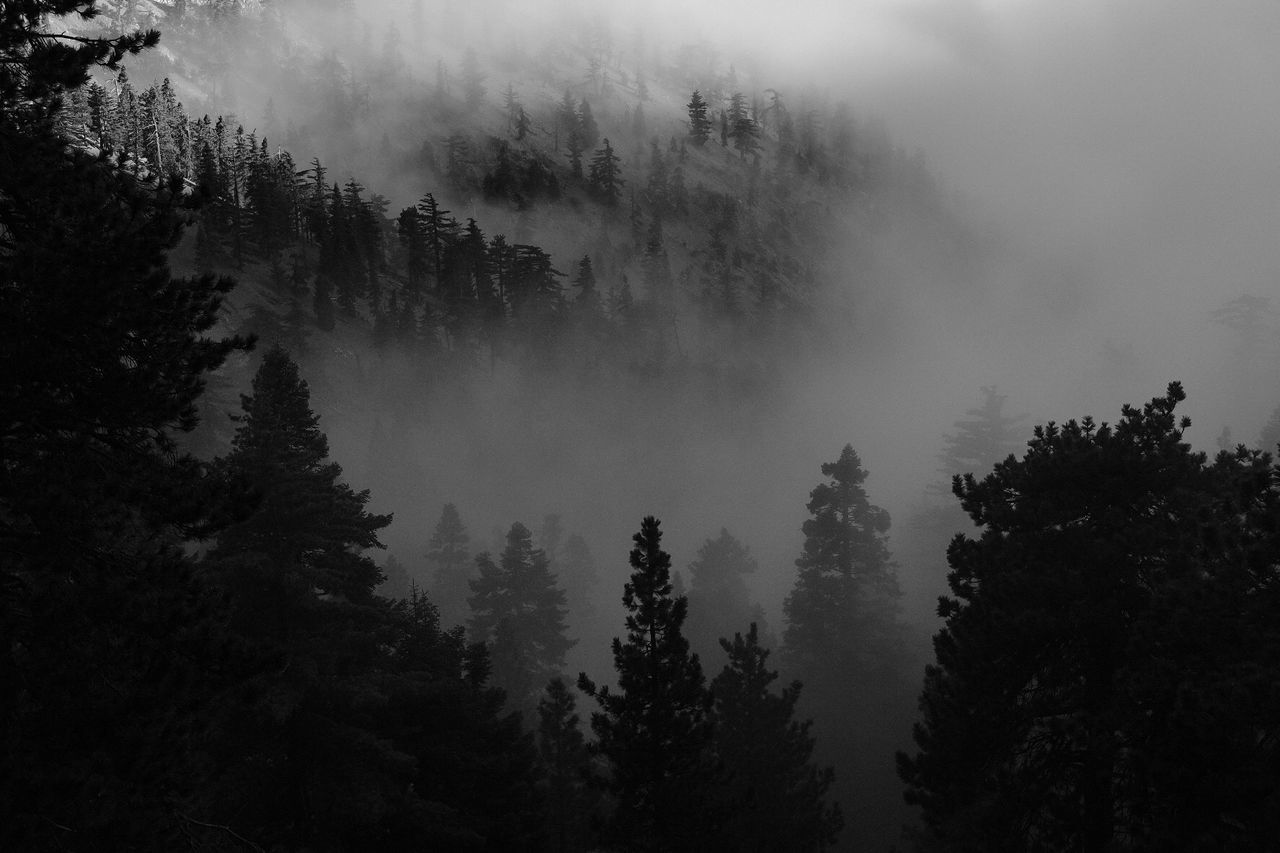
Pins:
<point x="775" y="798"/>
<point x="605" y="176"/>
<point x="110" y="649"/>
<point x="842" y="612"/>
<point x="519" y="610"/>
<point x="309" y="526"/>
<point x="985" y="436"/>
<point x="450" y="564"/>
<point x="744" y="130"/>
<point x="654" y="730"/>
<point x="1099" y="681"/>
<point x="38" y="66"/>
<point x="699" y="123"/>
<point x="719" y="602"/>
<point x="566" y="764"/>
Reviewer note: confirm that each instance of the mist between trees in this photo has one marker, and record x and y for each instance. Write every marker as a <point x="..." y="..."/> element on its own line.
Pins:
<point x="317" y="487"/>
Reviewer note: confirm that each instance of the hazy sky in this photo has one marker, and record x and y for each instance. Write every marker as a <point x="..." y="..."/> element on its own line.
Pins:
<point x="1134" y="141"/>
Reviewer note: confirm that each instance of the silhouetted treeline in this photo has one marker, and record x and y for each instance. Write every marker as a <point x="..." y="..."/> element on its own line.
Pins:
<point x="734" y="282"/>
<point x="193" y="653"/>
<point x="1106" y="674"/>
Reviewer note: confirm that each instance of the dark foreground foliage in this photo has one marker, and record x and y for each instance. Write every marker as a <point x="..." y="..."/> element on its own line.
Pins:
<point x="1106" y="678"/>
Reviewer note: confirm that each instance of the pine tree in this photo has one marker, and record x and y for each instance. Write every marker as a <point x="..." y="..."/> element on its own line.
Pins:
<point x="655" y="730"/>
<point x="585" y="281"/>
<point x="984" y="437"/>
<point x="301" y="590"/>
<point x="774" y="797"/>
<point x="306" y="535"/>
<point x="413" y="239"/>
<point x="1099" y="681"/>
<point x="657" y="186"/>
<point x="719" y="603"/>
<point x="105" y="632"/>
<point x="439" y="229"/>
<point x="396" y="581"/>
<point x="449" y="562"/>
<point x="742" y="127"/>
<point x="841" y="614"/>
<point x="500" y="257"/>
<point x="517" y="608"/>
<point x="575" y="148"/>
<point x="566" y="117"/>
<point x="458" y="163"/>
<point x="511" y="106"/>
<point x="843" y="638"/>
<point x="587" y="126"/>
<point x="699" y="123"/>
<point x="566" y="766"/>
<point x="637" y="121"/>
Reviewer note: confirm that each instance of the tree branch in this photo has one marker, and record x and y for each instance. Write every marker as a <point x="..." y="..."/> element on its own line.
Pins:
<point x="237" y="836"/>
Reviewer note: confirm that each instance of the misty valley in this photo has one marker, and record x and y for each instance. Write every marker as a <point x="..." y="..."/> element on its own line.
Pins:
<point x="566" y="426"/>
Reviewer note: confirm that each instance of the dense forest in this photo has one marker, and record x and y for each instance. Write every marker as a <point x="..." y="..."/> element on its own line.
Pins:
<point x="584" y="280"/>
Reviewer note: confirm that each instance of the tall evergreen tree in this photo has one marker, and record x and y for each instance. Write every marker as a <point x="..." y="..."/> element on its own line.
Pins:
<point x="511" y="106"/>
<point x="775" y="798"/>
<point x="841" y="614"/>
<point x="699" y="123"/>
<point x="719" y="602"/>
<point x="471" y="770"/>
<point x="413" y="239"/>
<point x="396" y="581"/>
<point x="743" y="128"/>
<point x="306" y="535"/>
<point x="575" y="148"/>
<point x="587" y="127"/>
<point x="450" y="563"/>
<point x="985" y="436"/>
<point x="576" y="568"/>
<point x="1099" y="681"/>
<point x="108" y="644"/>
<point x="585" y="281"/>
<point x="301" y="590"/>
<point x="605" y="176"/>
<point x="439" y="229"/>
<point x="566" y="765"/>
<point x="566" y="117"/>
<point x="517" y="608"/>
<point x="655" y="729"/>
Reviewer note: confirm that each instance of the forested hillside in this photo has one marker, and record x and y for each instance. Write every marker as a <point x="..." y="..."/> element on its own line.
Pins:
<point x="345" y="345"/>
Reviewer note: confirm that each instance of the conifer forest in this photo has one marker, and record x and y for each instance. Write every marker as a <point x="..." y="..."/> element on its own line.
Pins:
<point x="582" y="426"/>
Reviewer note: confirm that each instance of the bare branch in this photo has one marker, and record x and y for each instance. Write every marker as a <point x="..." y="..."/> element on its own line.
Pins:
<point x="237" y="836"/>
